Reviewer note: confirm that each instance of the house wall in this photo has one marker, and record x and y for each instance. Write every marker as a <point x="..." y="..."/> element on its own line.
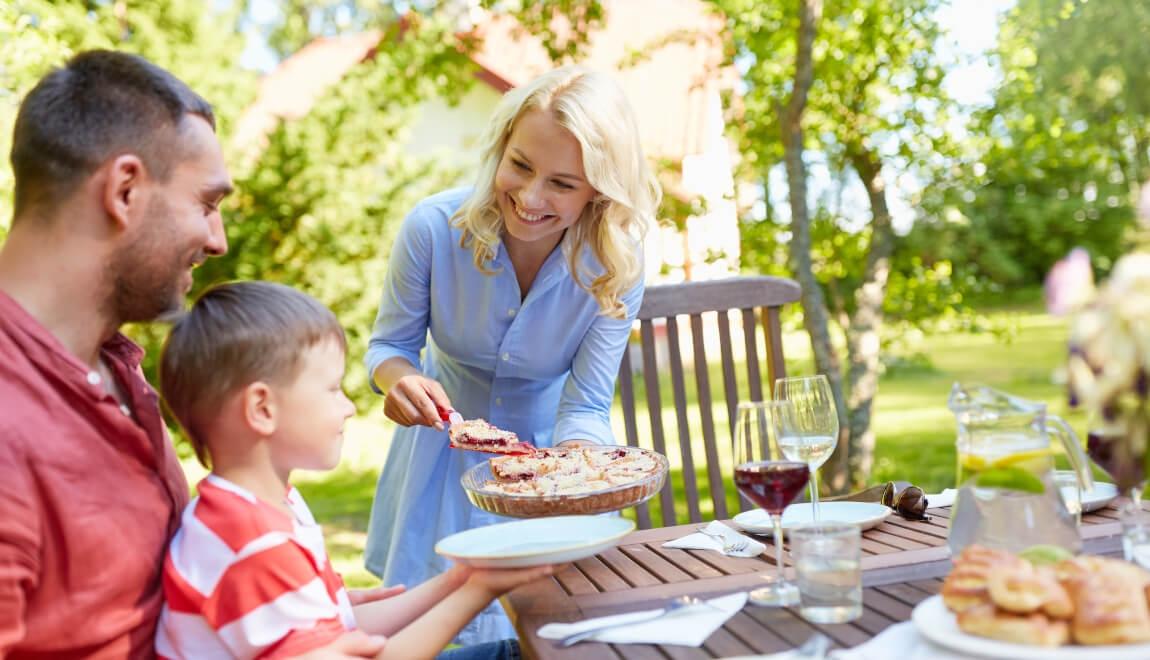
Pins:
<point x="452" y="133"/>
<point x="709" y="249"/>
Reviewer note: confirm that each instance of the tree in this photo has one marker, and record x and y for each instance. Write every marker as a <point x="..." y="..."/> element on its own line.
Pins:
<point x="866" y="96"/>
<point x="198" y="44"/>
<point x="1056" y="161"/>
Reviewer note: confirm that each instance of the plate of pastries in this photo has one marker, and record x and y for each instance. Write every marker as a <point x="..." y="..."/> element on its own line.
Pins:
<point x="999" y="604"/>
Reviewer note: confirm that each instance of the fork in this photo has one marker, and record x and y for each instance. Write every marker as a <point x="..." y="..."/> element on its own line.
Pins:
<point x="737" y="545"/>
<point x="674" y="604"/>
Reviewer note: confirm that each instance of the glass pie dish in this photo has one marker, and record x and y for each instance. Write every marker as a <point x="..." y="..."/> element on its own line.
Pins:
<point x="477" y="482"/>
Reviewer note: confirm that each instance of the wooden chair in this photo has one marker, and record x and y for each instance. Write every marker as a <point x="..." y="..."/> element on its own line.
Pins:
<point x="758" y="300"/>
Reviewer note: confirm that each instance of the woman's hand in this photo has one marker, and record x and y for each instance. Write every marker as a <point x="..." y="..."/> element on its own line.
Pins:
<point x="413" y="400"/>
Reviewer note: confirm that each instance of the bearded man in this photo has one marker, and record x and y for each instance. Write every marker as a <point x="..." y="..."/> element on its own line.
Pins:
<point x="119" y="177"/>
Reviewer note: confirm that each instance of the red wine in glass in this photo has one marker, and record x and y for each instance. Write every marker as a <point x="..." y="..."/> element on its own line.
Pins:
<point x="772" y="484"/>
<point x="1106" y="448"/>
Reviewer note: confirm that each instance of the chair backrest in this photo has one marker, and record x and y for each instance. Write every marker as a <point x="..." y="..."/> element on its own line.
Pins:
<point x="708" y="306"/>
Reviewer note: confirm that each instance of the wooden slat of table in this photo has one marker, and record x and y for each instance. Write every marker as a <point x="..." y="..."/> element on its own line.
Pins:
<point x="651" y="560"/>
<point x="903" y="562"/>
<point x="758" y="637"/>
<point x="634" y="574"/>
<point x="573" y="581"/>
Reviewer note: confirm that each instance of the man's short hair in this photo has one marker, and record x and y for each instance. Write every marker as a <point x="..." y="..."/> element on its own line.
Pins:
<point x="236" y="334"/>
<point x="98" y="105"/>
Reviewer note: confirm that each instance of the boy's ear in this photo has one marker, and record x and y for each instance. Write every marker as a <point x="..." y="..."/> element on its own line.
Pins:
<point x="260" y="408"/>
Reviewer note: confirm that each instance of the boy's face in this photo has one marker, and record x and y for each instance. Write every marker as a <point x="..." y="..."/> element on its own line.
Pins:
<point x="311" y="411"/>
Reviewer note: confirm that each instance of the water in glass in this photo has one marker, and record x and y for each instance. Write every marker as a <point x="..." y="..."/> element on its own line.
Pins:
<point x="827" y="562"/>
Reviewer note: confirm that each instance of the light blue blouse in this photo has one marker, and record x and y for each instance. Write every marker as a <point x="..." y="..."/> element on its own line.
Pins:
<point x="543" y="367"/>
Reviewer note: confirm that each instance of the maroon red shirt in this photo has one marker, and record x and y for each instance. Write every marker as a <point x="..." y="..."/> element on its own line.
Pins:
<point x="90" y="494"/>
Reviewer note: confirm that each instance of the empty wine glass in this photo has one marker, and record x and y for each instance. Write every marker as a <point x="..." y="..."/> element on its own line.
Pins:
<point x="766" y="478"/>
<point x="809" y="428"/>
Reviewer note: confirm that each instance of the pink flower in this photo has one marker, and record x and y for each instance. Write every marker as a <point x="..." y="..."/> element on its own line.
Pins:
<point x="1070" y="283"/>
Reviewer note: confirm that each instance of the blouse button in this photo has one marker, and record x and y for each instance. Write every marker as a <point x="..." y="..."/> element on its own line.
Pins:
<point x="511" y="312"/>
<point x="499" y="401"/>
<point x="93" y="378"/>
<point x="506" y="357"/>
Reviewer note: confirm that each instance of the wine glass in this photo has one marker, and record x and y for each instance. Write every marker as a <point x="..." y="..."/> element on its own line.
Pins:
<point x="809" y="429"/>
<point x="1110" y="447"/>
<point x="766" y="478"/>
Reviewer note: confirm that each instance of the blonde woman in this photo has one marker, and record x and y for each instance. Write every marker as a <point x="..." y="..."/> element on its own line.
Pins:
<point x="522" y="290"/>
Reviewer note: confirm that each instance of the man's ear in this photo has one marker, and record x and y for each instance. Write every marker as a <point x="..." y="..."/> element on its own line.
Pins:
<point x="260" y="408"/>
<point x="123" y="190"/>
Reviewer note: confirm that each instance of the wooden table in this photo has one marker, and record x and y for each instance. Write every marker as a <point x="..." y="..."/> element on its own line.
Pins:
<point x="903" y="563"/>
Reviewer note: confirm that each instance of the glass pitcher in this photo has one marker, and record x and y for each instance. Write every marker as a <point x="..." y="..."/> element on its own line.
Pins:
<point x="1007" y="495"/>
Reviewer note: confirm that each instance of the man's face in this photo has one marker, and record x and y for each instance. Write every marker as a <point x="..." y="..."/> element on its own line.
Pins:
<point x="181" y="226"/>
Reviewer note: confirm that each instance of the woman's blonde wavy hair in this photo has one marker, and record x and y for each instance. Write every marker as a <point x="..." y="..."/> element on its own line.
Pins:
<point x="593" y="108"/>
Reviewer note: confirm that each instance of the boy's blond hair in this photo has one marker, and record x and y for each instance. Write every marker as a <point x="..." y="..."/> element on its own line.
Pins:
<point x="593" y="108"/>
<point x="236" y="334"/>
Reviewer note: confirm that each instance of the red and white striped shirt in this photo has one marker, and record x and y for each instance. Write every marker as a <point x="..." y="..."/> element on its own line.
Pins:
<point x="243" y="579"/>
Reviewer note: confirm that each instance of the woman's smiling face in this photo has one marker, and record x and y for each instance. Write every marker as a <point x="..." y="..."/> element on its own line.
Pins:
<point x="540" y="184"/>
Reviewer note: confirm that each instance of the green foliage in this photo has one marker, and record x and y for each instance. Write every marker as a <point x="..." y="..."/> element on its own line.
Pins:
<point x="319" y="207"/>
<point x="877" y="90"/>
<point x="196" y="43"/>
<point x="1056" y="161"/>
<point x="562" y="25"/>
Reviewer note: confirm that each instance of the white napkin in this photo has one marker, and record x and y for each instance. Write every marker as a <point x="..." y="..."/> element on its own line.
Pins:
<point x="689" y="626"/>
<point x="945" y="498"/>
<point x="710" y="541"/>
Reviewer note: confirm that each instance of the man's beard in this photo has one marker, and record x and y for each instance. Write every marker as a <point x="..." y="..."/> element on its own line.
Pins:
<point x="146" y="273"/>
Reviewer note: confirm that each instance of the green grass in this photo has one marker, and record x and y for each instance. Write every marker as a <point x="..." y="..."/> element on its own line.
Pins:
<point x="914" y="429"/>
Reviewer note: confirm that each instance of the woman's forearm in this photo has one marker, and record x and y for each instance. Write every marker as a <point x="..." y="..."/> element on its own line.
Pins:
<point x="391" y="370"/>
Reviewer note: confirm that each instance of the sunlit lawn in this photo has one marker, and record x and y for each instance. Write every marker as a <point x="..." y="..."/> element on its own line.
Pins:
<point x="915" y="431"/>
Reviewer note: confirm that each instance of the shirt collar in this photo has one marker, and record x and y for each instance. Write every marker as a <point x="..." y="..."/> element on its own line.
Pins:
<point x="119" y="346"/>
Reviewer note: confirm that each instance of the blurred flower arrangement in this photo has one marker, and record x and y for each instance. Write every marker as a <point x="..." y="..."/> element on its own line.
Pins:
<point x="1109" y="358"/>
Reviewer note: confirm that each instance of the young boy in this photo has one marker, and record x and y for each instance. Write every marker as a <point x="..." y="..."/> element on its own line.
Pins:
<point x="253" y="374"/>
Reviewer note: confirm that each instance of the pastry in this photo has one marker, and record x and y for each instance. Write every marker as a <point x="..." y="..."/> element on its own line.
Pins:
<point x="1023" y="588"/>
<point x="1033" y="629"/>
<point x="966" y="586"/>
<point x="569" y="471"/>
<point x="1109" y="598"/>
<point x="479" y="435"/>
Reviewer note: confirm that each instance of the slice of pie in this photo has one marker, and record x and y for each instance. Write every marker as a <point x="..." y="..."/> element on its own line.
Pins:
<point x="478" y="435"/>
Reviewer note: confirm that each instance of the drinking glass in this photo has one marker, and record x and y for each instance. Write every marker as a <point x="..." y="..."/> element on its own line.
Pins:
<point x="809" y="429"/>
<point x="766" y="478"/>
<point x="828" y="565"/>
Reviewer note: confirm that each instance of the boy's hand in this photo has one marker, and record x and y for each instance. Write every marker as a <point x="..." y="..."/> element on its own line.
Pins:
<point x="361" y="596"/>
<point x="355" y="644"/>
<point x="413" y="399"/>
<point x="497" y="581"/>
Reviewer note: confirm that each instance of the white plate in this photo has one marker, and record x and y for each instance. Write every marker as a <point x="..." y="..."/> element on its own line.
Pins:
<point x="1099" y="496"/>
<point x="936" y="623"/>
<point x="535" y="541"/>
<point x="863" y="514"/>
